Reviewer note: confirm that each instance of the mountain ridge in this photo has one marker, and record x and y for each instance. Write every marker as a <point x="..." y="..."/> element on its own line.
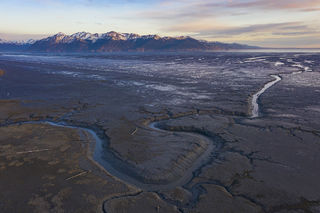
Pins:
<point x="113" y="42"/>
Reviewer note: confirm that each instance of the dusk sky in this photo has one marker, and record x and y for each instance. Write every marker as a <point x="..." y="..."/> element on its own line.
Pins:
<point x="271" y="23"/>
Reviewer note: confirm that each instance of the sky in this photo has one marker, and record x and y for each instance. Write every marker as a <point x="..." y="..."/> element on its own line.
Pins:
<point x="268" y="23"/>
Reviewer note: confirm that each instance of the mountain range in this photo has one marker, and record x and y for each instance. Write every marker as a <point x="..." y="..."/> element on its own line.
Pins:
<point x="15" y="45"/>
<point x="116" y="42"/>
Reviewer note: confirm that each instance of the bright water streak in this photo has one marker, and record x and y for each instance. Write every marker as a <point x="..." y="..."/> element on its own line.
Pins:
<point x="255" y="105"/>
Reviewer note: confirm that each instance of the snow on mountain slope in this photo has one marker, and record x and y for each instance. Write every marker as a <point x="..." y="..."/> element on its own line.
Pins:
<point x="112" y="35"/>
<point x="114" y="41"/>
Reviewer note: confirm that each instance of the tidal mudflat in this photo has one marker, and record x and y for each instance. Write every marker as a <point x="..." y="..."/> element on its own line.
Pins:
<point x="166" y="132"/>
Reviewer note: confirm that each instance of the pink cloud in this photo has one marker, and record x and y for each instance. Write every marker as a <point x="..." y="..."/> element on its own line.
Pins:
<point x="277" y="4"/>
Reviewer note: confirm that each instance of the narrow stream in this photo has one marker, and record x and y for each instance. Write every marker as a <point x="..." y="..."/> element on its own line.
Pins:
<point x="107" y="160"/>
<point x="255" y="97"/>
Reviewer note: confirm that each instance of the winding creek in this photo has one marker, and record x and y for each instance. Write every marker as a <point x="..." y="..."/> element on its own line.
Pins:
<point x="120" y="170"/>
<point x="255" y="98"/>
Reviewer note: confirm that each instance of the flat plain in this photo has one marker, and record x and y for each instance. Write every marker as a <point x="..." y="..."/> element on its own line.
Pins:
<point x="159" y="132"/>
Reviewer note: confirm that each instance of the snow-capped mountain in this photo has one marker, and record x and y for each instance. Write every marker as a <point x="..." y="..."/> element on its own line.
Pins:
<point x="22" y="42"/>
<point x="15" y="45"/>
<point x="30" y="41"/>
<point x="114" y="41"/>
<point x="63" y="38"/>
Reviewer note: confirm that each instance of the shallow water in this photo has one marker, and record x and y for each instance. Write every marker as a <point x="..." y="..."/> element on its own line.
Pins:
<point x="255" y="97"/>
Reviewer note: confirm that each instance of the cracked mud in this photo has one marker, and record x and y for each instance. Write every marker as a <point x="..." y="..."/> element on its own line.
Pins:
<point x="141" y="133"/>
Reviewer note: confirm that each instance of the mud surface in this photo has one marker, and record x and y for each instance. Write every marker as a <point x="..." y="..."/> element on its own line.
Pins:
<point x="175" y="133"/>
